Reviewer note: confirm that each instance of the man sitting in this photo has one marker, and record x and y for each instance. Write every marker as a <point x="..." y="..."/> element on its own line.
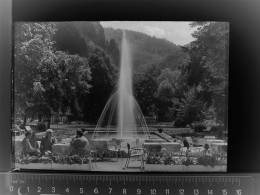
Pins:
<point x="27" y="147"/>
<point x="47" y="142"/>
<point x="79" y="144"/>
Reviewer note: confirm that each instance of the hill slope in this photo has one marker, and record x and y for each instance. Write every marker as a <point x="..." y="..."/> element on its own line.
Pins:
<point x="147" y="50"/>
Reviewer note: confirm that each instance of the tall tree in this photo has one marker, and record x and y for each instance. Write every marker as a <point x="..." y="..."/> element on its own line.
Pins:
<point x="46" y="80"/>
<point x="103" y="83"/>
<point x="145" y="87"/>
<point x="32" y="43"/>
<point x="191" y="109"/>
<point x="167" y="84"/>
<point x="114" y="51"/>
<point x="212" y="44"/>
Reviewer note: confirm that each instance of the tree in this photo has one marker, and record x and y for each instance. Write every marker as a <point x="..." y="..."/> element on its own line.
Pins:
<point x="69" y="39"/>
<point x="103" y="83"/>
<point x="114" y="51"/>
<point x="66" y="79"/>
<point x="167" y="84"/>
<point x="145" y="87"/>
<point x="32" y="43"/>
<point x="46" y="80"/>
<point x="190" y="109"/>
<point x="79" y="37"/>
<point x="212" y="45"/>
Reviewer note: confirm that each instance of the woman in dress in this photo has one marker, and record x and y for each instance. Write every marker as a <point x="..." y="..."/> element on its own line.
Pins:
<point x="47" y="142"/>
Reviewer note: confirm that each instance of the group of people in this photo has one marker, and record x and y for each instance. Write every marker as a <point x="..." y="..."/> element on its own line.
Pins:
<point x="79" y="144"/>
<point x="31" y="146"/>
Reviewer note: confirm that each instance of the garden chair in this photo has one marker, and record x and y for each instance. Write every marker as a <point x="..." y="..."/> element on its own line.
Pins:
<point x="134" y="153"/>
<point x="137" y="143"/>
<point x="93" y="152"/>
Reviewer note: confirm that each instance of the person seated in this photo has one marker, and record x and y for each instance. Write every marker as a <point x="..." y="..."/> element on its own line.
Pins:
<point x="47" y="142"/>
<point x="28" y="149"/>
<point x="33" y="141"/>
<point x="186" y="143"/>
<point x="79" y="144"/>
<point x="206" y="150"/>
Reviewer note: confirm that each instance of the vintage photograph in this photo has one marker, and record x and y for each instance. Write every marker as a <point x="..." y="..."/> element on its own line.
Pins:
<point x="120" y="96"/>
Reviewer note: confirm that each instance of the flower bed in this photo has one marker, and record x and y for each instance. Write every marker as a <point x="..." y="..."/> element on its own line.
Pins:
<point x="54" y="162"/>
<point x="166" y="163"/>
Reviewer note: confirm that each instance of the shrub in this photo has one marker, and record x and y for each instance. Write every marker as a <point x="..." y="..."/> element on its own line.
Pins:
<point x="208" y="160"/>
<point x="217" y="128"/>
<point x="160" y="130"/>
<point x="42" y="126"/>
<point x="199" y="127"/>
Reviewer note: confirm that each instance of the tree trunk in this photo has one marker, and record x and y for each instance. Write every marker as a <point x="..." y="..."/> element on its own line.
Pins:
<point x="49" y="122"/>
<point x="40" y="117"/>
<point x="24" y="120"/>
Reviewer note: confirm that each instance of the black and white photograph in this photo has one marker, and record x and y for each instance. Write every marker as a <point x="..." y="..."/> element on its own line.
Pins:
<point x="120" y="96"/>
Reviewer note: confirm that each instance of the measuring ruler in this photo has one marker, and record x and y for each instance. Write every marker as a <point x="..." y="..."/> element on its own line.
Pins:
<point x="130" y="184"/>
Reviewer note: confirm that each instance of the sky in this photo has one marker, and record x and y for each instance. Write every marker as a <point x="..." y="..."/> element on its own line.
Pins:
<point x="178" y="33"/>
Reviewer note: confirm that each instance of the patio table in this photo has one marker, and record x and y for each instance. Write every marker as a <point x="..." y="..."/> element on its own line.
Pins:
<point x="62" y="149"/>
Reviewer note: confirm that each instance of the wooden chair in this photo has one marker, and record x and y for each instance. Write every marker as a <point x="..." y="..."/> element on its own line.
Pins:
<point x="93" y="152"/>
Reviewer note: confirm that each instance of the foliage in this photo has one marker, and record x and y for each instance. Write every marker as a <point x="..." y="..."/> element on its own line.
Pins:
<point x="212" y="47"/>
<point x="165" y="93"/>
<point x="79" y="37"/>
<point x="68" y="68"/>
<point x="113" y="50"/>
<point x="53" y="158"/>
<point x="167" y="159"/>
<point x="45" y="79"/>
<point x="145" y="87"/>
<point x="148" y="51"/>
<point x="32" y="44"/>
<point x="103" y="83"/>
<point x="41" y="126"/>
<point x="199" y="127"/>
<point x="219" y="128"/>
<point x="188" y="161"/>
<point x="208" y="160"/>
<point x="190" y="109"/>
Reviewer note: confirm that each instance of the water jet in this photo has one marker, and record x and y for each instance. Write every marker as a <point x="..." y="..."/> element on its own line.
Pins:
<point x="122" y="115"/>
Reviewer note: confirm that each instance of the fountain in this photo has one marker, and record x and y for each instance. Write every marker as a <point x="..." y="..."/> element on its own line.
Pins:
<point x="122" y="115"/>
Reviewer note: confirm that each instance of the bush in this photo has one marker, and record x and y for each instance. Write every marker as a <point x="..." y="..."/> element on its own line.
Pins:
<point x="199" y="127"/>
<point x="179" y="123"/>
<point x="160" y="130"/>
<point x="217" y="128"/>
<point x="42" y="126"/>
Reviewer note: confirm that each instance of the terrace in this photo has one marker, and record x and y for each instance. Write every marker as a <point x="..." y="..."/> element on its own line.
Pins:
<point x="172" y="155"/>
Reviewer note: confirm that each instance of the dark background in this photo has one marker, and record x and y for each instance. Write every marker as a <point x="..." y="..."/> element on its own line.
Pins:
<point x="244" y="67"/>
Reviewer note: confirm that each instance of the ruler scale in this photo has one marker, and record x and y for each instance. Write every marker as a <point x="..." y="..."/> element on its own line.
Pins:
<point x="45" y="184"/>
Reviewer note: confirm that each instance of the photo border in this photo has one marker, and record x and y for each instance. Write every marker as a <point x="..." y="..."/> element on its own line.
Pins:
<point x="244" y="80"/>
